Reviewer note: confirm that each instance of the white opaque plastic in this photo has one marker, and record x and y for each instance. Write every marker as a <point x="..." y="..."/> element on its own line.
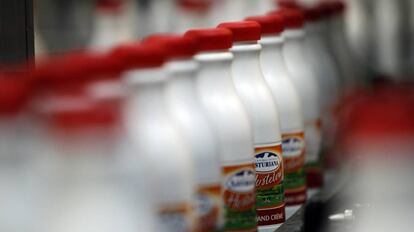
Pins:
<point x="279" y="80"/>
<point x="306" y="82"/>
<point x="160" y="145"/>
<point x="107" y="31"/>
<point x="224" y="108"/>
<point x="189" y="115"/>
<point x="324" y="66"/>
<point x="85" y="190"/>
<point x="186" y="110"/>
<point x="82" y="183"/>
<point x="285" y="94"/>
<point x="255" y="93"/>
<point x="232" y="126"/>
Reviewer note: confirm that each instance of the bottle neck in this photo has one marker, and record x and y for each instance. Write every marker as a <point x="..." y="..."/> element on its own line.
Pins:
<point x="181" y="75"/>
<point x="272" y="60"/>
<point x="294" y="36"/>
<point x="294" y="42"/>
<point x="246" y="63"/>
<point x="146" y="92"/>
<point x="313" y="28"/>
<point x="215" y="70"/>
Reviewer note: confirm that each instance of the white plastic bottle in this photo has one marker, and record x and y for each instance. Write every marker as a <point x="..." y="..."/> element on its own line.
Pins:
<point x="225" y="110"/>
<point x="107" y="28"/>
<point x="17" y="211"/>
<point x="193" y="14"/>
<point x="261" y="107"/>
<point x="306" y="82"/>
<point x="186" y="110"/>
<point x="325" y="65"/>
<point x="322" y="60"/>
<point x="335" y="32"/>
<point x="157" y="138"/>
<point x="85" y="185"/>
<point x="289" y="108"/>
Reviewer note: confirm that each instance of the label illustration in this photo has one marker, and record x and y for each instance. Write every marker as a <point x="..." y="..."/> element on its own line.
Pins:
<point x="269" y="185"/>
<point x="294" y="159"/>
<point x="177" y="218"/>
<point x="239" y="197"/>
<point x="209" y="208"/>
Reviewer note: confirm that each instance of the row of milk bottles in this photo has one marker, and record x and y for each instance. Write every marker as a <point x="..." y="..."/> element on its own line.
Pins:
<point x="204" y="131"/>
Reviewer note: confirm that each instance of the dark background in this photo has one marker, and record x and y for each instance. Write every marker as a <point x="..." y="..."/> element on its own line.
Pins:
<point x="16" y="31"/>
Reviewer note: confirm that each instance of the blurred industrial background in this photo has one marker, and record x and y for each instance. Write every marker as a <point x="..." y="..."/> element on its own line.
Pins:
<point x="380" y="32"/>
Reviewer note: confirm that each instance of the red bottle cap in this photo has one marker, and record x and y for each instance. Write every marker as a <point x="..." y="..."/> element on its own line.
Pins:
<point x="338" y="7"/>
<point x="136" y="56"/>
<point x="113" y="6"/>
<point x="243" y="30"/>
<point x="78" y="68"/>
<point x="211" y="39"/>
<point x="175" y="46"/>
<point x="314" y="13"/>
<point x="196" y="5"/>
<point x="79" y="112"/>
<point x="271" y="24"/>
<point x="332" y="8"/>
<point x="294" y="18"/>
<point x="287" y="3"/>
<point x="14" y="92"/>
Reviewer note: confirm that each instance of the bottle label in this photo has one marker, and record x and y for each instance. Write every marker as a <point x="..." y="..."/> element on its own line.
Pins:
<point x="177" y="218"/>
<point x="294" y="159"/>
<point x="269" y="185"/>
<point x="209" y="208"/>
<point x="240" y="198"/>
<point x="313" y="138"/>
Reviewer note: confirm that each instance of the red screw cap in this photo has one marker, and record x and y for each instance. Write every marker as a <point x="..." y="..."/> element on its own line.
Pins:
<point x="313" y="14"/>
<point x="287" y="3"/>
<point x="294" y="18"/>
<point x="271" y="24"/>
<point x="339" y="7"/>
<point x="136" y="56"/>
<point x="82" y="113"/>
<point x="211" y="39"/>
<point x="201" y="6"/>
<point x="110" y="6"/>
<point x="13" y="94"/>
<point x="332" y="8"/>
<point x="78" y="67"/>
<point x="243" y="30"/>
<point x="175" y="46"/>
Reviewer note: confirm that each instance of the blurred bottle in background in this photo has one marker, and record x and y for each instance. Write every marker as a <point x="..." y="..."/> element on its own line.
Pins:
<point x="84" y="183"/>
<point x="64" y="25"/>
<point x="186" y="111"/>
<point x="16" y="177"/>
<point x="109" y="27"/>
<point x="306" y="82"/>
<point x="159" y="141"/>
<point x="378" y="146"/>
<point x="193" y="14"/>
